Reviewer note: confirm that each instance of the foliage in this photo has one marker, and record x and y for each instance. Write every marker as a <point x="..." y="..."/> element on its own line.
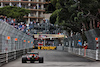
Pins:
<point x="13" y="12"/>
<point x="54" y="16"/>
<point x="54" y="2"/>
<point x="76" y="14"/>
<point x="50" y="8"/>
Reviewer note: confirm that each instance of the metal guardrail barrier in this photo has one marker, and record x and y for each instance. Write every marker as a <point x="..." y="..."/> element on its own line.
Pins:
<point x="79" y="51"/>
<point x="13" y="43"/>
<point x="2" y="58"/>
<point x="13" y="55"/>
<point x="73" y="47"/>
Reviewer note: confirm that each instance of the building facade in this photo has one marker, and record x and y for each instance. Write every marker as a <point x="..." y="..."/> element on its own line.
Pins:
<point x="35" y="6"/>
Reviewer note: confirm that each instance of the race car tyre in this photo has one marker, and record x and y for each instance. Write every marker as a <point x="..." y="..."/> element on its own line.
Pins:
<point x="31" y="61"/>
<point x="40" y="59"/>
<point x="23" y="60"/>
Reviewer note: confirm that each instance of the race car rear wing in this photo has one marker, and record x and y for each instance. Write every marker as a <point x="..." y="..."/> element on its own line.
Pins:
<point x="33" y="52"/>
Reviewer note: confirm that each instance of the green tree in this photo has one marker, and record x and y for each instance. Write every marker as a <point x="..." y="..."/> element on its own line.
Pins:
<point x="54" y="16"/>
<point x="77" y="14"/>
<point x="50" y="8"/>
<point x="54" y="2"/>
<point x="14" y="12"/>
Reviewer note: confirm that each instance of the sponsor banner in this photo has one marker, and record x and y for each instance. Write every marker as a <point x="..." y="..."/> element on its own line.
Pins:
<point x="46" y="47"/>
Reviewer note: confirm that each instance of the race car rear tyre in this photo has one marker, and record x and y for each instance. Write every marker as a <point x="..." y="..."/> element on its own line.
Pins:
<point x="40" y="59"/>
<point x="31" y="61"/>
<point x="23" y="60"/>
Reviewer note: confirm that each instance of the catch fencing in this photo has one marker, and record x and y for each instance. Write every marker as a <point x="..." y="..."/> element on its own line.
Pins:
<point x="13" y="39"/>
<point x="91" y="35"/>
<point x="93" y="52"/>
<point x="72" y="41"/>
<point x="13" y="43"/>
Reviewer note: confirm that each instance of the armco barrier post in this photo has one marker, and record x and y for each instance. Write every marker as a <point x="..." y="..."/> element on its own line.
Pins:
<point x="97" y="50"/>
<point x="23" y="51"/>
<point x="14" y="54"/>
<point x="7" y="57"/>
<point x="79" y="51"/>
<point x="69" y="46"/>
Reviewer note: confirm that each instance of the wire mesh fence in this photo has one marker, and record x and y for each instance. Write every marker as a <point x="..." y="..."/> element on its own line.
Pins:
<point x="13" y="39"/>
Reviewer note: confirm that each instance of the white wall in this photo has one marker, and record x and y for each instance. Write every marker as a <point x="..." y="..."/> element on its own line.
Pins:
<point x="47" y="16"/>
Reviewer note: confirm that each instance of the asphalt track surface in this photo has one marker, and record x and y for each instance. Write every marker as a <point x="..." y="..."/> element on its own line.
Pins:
<point x="53" y="58"/>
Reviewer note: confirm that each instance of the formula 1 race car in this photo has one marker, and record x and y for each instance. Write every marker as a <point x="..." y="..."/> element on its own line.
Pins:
<point x="32" y="57"/>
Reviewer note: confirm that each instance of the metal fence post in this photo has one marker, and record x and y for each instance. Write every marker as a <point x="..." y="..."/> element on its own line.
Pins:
<point x="15" y="54"/>
<point x="69" y="46"/>
<point x="7" y="57"/>
<point x="97" y="50"/>
<point x="23" y="51"/>
<point x="79" y="51"/>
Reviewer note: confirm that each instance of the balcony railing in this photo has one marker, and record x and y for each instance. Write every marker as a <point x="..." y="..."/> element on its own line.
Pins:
<point x="15" y="0"/>
<point x="32" y="15"/>
<point x="24" y="0"/>
<point x="41" y="16"/>
<point x="4" y="0"/>
<point x="9" y="0"/>
<point x="27" y="7"/>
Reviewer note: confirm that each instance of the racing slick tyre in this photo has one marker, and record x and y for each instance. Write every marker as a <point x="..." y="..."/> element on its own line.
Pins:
<point x="23" y="60"/>
<point x="40" y="59"/>
<point x="31" y="61"/>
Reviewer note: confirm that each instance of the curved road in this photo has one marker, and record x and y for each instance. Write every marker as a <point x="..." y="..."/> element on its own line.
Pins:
<point x="53" y="58"/>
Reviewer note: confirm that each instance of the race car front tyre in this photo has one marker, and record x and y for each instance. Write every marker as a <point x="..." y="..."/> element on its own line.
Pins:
<point x="23" y="60"/>
<point x="31" y="61"/>
<point x="40" y="59"/>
